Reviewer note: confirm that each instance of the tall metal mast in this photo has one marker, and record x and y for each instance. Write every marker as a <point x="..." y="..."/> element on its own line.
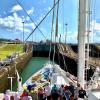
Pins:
<point x="81" y="41"/>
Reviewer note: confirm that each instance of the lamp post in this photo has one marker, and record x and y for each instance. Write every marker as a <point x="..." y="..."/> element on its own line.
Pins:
<point x="66" y="32"/>
<point x="23" y="33"/>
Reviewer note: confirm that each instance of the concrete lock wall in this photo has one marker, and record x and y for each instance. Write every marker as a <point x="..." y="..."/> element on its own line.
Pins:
<point x="20" y="64"/>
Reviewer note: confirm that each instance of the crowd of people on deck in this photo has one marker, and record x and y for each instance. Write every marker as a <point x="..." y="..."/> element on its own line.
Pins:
<point x="47" y="92"/>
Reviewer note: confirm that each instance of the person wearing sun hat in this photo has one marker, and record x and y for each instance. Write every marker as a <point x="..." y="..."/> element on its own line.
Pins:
<point x="33" y="94"/>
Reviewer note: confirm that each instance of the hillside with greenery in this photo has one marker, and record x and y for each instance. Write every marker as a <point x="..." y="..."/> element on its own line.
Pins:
<point x="8" y="49"/>
<point x="6" y="40"/>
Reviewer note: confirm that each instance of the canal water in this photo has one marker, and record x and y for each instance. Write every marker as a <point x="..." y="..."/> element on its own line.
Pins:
<point x="34" y="65"/>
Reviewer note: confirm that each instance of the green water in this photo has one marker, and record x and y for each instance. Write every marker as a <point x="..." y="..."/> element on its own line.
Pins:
<point x="34" y="65"/>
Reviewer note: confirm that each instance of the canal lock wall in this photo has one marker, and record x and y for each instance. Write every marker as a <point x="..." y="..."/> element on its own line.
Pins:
<point x="20" y="63"/>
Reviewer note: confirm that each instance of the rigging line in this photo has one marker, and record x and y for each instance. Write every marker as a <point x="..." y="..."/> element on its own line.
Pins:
<point x="88" y="34"/>
<point x="42" y="20"/>
<point x="53" y="20"/>
<point x="91" y="9"/>
<point x="94" y="9"/>
<point x="56" y="32"/>
<point x="58" y="57"/>
<point x="52" y="30"/>
<point x="93" y="18"/>
<point x="63" y="15"/>
<point x="31" y="19"/>
<point x="91" y="13"/>
<point x="65" y="66"/>
<point x="54" y="50"/>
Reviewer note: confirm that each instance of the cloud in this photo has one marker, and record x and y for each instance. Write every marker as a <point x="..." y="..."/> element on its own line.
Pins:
<point x="27" y="18"/>
<point x="94" y="34"/>
<point x="44" y="1"/>
<point x="71" y="37"/>
<point x="30" y="11"/>
<point x="16" y="8"/>
<point x="7" y="22"/>
<point x="95" y="25"/>
<point x="14" y="22"/>
<point x="41" y="16"/>
<point x="95" y="31"/>
<point x="30" y="25"/>
<point x="49" y="8"/>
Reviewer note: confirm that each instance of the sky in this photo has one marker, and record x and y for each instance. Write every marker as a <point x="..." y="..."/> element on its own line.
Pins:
<point x="12" y="15"/>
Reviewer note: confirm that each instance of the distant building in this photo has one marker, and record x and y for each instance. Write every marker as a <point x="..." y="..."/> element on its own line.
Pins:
<point x="17" y="41"/>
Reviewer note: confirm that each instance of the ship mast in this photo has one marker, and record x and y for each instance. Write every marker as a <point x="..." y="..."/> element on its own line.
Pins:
<point x="81" y="42"/>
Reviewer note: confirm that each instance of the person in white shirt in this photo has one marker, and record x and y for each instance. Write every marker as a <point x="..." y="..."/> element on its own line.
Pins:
<point x="47" y="91"/>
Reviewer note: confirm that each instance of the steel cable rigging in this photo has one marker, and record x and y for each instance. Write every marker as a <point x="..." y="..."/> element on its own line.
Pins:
<point x="31" y="19"/>
<point x="41" y="20"/>
<point x="52" y="29"/>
